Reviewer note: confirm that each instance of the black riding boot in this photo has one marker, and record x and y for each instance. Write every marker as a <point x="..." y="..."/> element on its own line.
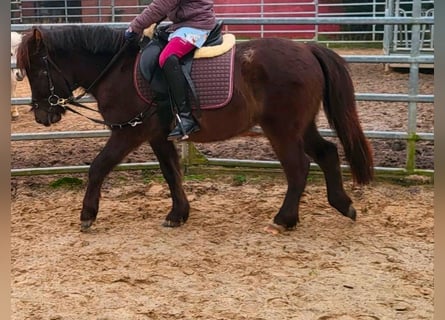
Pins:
<point x="186" y="124"/>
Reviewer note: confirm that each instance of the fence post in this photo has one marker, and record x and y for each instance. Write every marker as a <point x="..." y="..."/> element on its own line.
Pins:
<point x="190" y="155"/>
<point x="317" y="14"/>
<point x="413" y="89"/>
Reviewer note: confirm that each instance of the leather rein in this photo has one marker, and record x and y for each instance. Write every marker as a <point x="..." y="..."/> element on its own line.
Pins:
<point x="55" y="101"/>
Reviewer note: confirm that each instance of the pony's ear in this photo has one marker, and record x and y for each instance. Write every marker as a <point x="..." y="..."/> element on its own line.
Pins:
<point x="37" y="36"/>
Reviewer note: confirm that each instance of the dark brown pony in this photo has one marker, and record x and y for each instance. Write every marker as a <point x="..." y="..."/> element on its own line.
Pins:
<point x="278" y="84"/>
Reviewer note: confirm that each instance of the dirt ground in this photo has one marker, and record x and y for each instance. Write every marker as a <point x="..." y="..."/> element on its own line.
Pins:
<point x="221" y="264"/>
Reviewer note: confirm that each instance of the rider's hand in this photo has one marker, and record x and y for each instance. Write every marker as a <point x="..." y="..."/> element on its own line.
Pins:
<point x="130" y="35"/>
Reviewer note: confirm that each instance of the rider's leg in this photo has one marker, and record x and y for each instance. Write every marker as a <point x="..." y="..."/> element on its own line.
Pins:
<point x="169" y="62"/>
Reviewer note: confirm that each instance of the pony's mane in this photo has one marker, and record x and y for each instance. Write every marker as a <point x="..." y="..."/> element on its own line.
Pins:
<point x="93" y="39"/>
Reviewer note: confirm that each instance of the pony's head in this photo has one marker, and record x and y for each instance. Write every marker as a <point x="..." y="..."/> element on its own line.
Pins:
<point x="47" y="85"/>
<point x="55" y="62"/>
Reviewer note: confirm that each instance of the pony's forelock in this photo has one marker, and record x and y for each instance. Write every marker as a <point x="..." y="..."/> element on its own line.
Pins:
<point x="23" y="52"/>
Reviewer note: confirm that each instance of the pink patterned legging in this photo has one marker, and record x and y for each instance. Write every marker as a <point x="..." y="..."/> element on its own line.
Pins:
<point x="176" y="46"/>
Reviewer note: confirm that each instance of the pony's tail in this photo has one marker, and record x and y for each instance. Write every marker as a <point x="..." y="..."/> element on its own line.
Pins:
<point x="340" y="108"/>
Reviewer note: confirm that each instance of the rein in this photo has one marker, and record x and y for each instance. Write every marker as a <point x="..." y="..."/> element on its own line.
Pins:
<point x="54" y="100"/>
<point x="105" y="70"/>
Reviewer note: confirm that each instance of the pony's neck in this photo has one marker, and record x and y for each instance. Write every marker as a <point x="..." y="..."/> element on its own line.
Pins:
<point x="86" y="69"/>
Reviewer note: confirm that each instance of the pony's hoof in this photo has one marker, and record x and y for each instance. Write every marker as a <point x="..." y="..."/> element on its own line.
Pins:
<point x="171" y="224"/>
<point x="351" y="213"/>
<point x="274" y="229"/>
<point x="86" y="225"/>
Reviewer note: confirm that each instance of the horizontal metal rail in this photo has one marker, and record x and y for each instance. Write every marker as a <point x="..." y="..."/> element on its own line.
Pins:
<point x="273" y="21"/>
<point x="231" y="10"/>
<point x="218" y="162"/>
<point x="396" y="58"/>
<point x="394" y="97"/>
<point x="106" y="133"/>
<point x="80" y="169"/>
<point x="399" y="58"/>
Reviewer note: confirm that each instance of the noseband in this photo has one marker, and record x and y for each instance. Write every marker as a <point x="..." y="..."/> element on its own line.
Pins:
<point x="53" y="100"/>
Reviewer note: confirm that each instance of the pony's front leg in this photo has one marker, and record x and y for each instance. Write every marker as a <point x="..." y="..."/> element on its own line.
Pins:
<point x="120" y="144"/>
<point x="168" y="158"/>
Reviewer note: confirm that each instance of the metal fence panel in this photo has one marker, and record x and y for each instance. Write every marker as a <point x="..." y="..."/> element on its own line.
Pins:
<point x="107" y="11"/>
<point x="414" y="57"/>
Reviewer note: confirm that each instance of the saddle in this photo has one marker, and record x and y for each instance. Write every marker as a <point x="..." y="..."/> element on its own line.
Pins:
<point x="208" y="70"/>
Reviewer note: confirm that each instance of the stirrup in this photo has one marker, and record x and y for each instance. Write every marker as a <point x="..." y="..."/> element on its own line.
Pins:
<point x="177" y="137"/>
<point x="181" y="136"/>
<point x="179" y="132"/>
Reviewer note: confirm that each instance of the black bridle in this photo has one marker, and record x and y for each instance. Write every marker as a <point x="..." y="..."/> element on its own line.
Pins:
<point x="55" y="101"/>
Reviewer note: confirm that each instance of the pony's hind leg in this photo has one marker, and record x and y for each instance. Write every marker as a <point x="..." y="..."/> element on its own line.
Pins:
<point x="295" y="163"/>
<point x="120" y="144"/>
<point x="325" y="154"/>
<point x="168" y="158"/>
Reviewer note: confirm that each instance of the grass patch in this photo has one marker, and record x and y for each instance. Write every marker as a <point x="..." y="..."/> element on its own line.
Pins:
<point x="195" y="177"/>
<point x="67" y="183"/>
<point x="239" y="180"/>
<point x="149" y="175"/>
